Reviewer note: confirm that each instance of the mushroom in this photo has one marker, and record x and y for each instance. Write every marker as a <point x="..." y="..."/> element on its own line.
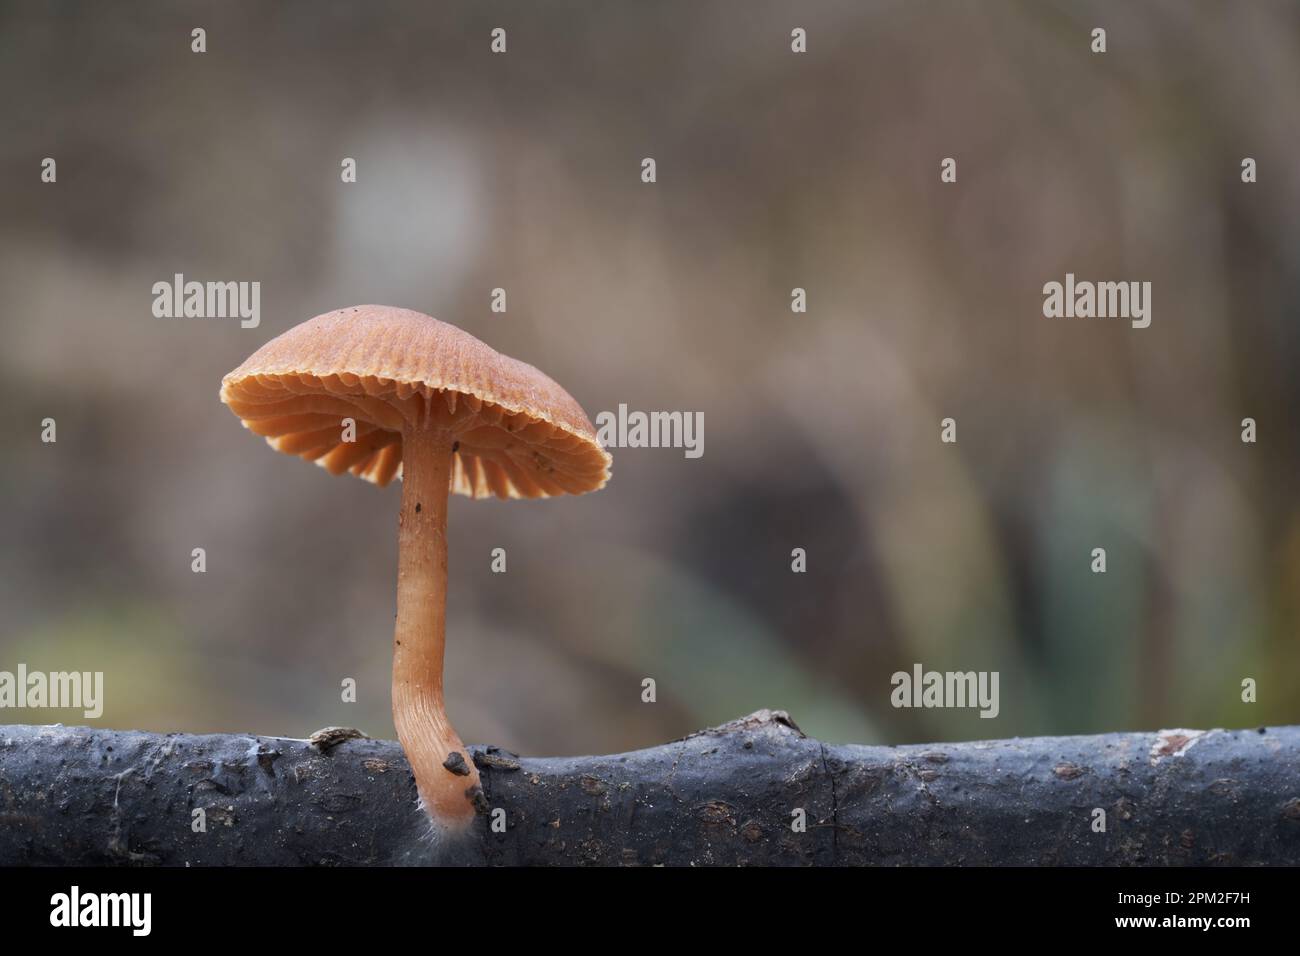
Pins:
<point x="437" y="407"/>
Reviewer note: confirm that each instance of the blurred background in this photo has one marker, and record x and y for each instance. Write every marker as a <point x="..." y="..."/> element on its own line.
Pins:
<point x="775" y="170"/>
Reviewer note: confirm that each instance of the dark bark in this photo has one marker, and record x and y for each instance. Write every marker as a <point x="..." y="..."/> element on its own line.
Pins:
<point x="722" y="796"/>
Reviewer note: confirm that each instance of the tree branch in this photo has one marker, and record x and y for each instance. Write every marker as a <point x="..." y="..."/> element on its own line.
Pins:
<point x="728" y="795"/>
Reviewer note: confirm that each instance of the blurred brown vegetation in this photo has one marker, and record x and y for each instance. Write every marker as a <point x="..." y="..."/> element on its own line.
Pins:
<point x="821" y="430"/>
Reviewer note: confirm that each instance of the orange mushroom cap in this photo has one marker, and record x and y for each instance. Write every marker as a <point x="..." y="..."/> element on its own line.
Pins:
<point x="518" y="433"/>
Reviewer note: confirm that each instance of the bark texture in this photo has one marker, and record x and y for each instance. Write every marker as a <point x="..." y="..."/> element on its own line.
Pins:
<point x="727" y="795"/>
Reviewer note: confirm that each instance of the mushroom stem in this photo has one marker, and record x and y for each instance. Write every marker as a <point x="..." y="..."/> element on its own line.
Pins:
<point x="445" y="775"/>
